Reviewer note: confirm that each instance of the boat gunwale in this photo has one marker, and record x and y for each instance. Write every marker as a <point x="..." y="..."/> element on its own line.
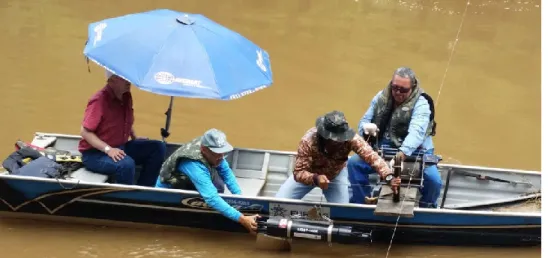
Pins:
<point x="63" y="182"/>
<point x="294" y="153"/>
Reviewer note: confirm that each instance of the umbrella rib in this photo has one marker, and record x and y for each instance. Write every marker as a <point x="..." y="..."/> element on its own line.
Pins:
<point x="109" y="69"/>
<point x="119" y="35"/>
<point x="246" y="57"/>
<point x="154" y="58"/>
<point x="114" y="39"/>
<point x="209" y="59"/>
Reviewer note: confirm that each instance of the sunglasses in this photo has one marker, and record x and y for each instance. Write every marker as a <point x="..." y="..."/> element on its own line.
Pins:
<point x="399" y="88"/>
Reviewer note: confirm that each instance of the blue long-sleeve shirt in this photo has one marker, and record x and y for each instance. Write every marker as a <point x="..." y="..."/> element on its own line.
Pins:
<point x="200" y="176"/>
<point x="417" y="127"/>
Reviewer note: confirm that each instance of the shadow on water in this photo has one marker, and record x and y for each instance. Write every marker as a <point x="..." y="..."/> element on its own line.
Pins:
<point x="31" y="236"/>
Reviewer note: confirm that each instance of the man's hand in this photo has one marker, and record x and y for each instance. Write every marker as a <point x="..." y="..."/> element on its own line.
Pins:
<point x="400" y="155"/>
<point x="116" y="154"/>
<point x="394" y="183"/>
<point x="323" y="182"/>
<point x="249" y="222"/>
<point x="370" y="129"/>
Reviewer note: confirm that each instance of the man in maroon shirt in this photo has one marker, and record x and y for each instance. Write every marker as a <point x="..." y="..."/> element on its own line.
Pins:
<point x="107" y="125"/>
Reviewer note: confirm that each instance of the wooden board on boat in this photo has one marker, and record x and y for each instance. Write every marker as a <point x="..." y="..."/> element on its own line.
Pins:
<point x="405" y="207"/>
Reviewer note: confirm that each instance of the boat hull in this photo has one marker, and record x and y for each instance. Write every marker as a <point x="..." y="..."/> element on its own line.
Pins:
<point x="186" y="209"/>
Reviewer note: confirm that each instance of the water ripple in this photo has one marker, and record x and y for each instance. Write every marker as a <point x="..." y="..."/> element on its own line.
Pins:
<point x="159" y="250"/>
<point x="449" y="8"/>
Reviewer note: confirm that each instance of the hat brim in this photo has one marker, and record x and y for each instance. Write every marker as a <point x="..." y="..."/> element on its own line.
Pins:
<point x="224" y="149"/>
<point x="338" y="137"/>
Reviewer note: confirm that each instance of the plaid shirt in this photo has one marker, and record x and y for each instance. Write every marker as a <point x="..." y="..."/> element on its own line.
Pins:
<point x="311" y="161"/>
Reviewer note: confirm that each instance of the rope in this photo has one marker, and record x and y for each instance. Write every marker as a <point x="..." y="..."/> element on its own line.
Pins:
<point x="437" y="101"/>
<point x="452" y="52"/>
<point x="411" y="174"/>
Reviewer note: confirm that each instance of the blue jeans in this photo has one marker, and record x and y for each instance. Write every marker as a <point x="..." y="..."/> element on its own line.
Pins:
<point x="359" y="172"/>
<point x="336" y="192"/>
<point x="147" y="153"/>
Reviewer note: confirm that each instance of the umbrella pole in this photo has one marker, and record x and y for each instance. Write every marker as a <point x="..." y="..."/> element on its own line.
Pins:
<point x="165" y="131"/>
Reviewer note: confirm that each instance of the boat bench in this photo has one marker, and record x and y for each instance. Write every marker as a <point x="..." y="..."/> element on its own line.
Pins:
<point x="251" y="177"/>
<point x="85" y="175"/>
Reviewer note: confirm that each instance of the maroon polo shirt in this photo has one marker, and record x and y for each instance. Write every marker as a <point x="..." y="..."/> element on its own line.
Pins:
<point x="109" y="118"/>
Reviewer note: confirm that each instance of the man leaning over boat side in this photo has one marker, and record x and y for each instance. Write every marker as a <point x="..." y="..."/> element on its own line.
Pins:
<point x="200" y="165"/>
<point x="321" y="159"/>
<point x="106" y="127"/>
<point x="400" y="114"/>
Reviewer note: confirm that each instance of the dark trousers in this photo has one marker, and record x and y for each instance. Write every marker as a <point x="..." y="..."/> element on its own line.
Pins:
<point x="147" y="153"/>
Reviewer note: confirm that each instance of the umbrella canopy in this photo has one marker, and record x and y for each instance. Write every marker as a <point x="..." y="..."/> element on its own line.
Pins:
<point x="179" y="54"/>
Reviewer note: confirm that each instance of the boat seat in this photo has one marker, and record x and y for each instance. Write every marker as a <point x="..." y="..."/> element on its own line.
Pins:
<point x="85" y="175"/>
<point x="251" y="181"/>
<point x="250" y="186"/>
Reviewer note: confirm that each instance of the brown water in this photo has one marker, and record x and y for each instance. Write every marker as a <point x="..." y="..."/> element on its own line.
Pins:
<point x="325" y="55"/>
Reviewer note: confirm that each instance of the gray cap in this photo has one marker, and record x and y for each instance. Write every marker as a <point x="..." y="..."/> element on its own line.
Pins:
<point x="215" y="140"/>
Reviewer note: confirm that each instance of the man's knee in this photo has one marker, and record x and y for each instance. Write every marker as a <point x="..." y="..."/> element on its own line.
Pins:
<point x="161" y="146"/>
<point x="337" y="193"/>
<point x="290" y="189"/>
<point x="355" y="164"/>
<point x="158" y="147"/>
<point x="432" y="176"/>
<point x="285" y="188"/>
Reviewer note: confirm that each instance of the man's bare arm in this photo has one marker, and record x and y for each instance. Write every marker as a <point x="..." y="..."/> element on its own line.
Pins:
<point x="92" y="139"/>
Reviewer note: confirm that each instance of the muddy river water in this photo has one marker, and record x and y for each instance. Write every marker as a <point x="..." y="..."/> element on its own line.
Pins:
<point x="325" y="55"/>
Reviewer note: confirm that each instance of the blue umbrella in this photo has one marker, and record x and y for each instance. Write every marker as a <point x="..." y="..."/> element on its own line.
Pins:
<point x="179" y="54"/>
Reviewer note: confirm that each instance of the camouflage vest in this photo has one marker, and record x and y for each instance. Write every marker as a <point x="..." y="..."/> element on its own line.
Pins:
<point x="393" y="122"/>
<point x="170" y="174"/>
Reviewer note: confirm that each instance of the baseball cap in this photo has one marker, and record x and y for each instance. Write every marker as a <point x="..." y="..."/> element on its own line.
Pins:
<point x="216" y="141"/>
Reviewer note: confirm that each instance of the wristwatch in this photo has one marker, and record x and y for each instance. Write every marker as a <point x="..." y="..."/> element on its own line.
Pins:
<point x="389" y="178"/>
<point x="107" y="148"/>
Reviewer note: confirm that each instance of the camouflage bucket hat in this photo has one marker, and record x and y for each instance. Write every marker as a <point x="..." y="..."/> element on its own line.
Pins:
<point x="333" y="126"/>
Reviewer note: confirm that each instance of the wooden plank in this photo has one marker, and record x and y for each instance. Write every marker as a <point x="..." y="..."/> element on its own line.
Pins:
<point x="405" y="207"/>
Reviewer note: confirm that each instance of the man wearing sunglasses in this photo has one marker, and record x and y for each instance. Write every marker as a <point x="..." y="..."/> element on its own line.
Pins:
<point x="200" y="165"/>
<point x="402" y="115"/>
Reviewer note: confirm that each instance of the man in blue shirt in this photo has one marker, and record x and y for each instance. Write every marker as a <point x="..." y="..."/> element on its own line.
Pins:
<point x="401" y="115"/>
<point x="200" y="165"/>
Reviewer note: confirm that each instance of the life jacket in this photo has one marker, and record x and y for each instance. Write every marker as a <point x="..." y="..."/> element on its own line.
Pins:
<point x="393" y="122"/>
<point x="169" y="174"/>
